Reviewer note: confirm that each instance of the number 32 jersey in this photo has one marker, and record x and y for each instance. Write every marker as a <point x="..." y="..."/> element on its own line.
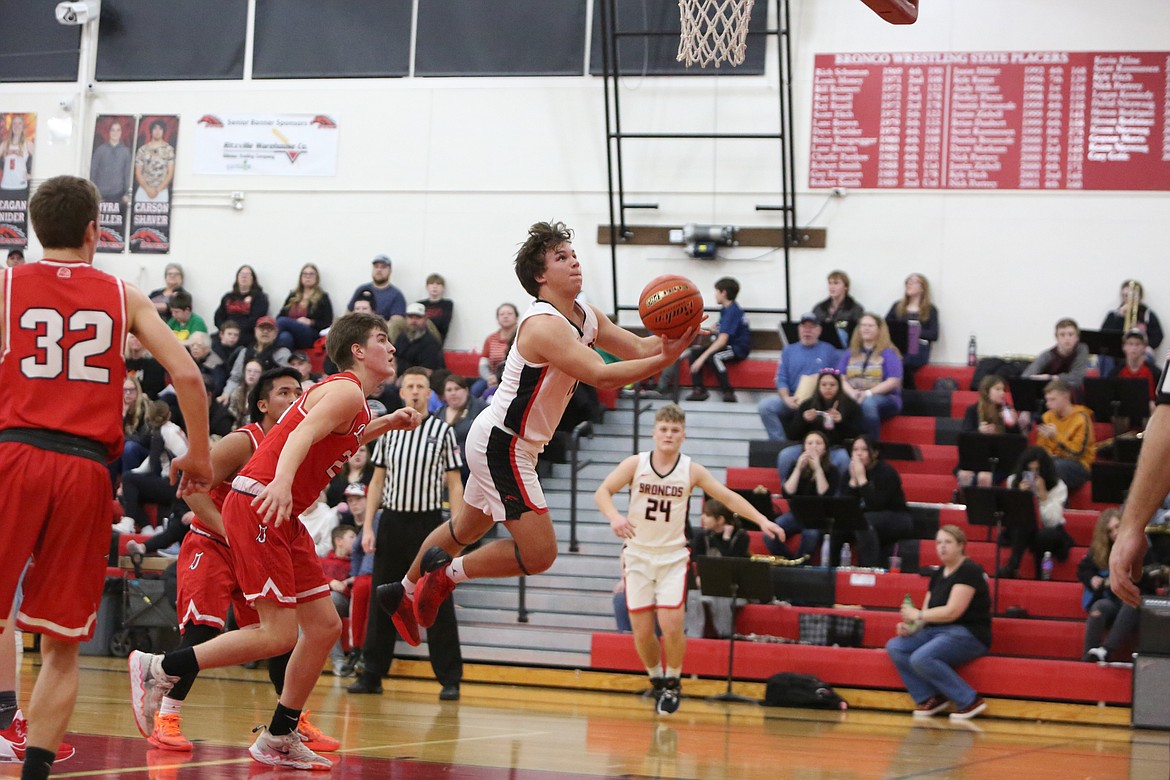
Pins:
<point x="658" y="505"/>
<point x="61" y="364"/>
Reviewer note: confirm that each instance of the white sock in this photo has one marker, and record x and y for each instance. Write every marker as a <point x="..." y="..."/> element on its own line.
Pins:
<point x="170" y="706"/>
<point x="654" y="671"/>
<point x="674" y="671"/>
<point x="455" y="570"/>
<point x="408" y="586"/>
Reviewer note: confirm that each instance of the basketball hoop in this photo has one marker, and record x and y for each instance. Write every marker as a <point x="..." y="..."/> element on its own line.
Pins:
<point x="713" y="31"/>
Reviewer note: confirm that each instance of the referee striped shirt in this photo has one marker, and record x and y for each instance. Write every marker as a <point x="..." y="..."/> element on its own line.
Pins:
<point x="416" y="463"/>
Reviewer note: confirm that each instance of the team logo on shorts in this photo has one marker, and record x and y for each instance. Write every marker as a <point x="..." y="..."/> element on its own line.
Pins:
<point x="262" y="536"/>
<point x="195" y="562"/>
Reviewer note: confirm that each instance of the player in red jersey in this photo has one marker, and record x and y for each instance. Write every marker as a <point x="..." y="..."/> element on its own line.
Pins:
<point x="206" y="585"/>
<point x="63" y="327"/>
<point x="273" y="560"/>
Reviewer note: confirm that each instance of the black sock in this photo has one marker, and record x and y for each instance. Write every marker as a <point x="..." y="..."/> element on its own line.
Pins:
<point x="7" y="707"/>
<point x="277" y="665"/>
<point x="37" y="763"/>
<point x="181" y="662"/>
<point x="194" y="635"/>
<point x="284" y="720"/>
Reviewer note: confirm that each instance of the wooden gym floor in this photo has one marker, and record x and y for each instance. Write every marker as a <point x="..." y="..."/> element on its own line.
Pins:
<point x="529" y="732"/>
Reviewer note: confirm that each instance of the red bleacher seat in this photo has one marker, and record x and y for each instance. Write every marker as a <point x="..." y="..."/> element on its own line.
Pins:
<point x="912" y="430"/>
<point x="926" y="376"/>
<point x="462" y="363"/>
<point x="928" y="488"/>
<point x="1040" y="599"/>
<point x="983" y="553"/>
<point x="1078" y="522"/>
<point x="960" y="400"/>
<point x="752" y="374"/>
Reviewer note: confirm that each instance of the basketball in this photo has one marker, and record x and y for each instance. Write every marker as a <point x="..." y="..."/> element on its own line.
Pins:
<point x="670" y="305"/>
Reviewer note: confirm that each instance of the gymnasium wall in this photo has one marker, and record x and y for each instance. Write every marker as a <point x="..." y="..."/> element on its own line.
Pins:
<point x="445" y="174"/>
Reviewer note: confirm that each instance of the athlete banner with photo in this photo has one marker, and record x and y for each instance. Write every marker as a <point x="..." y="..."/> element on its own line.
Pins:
<point x="266" y="145"/>
<point x="154" y="178"/>
<point x="17" y="141"/>
<point x="110" y="169"/>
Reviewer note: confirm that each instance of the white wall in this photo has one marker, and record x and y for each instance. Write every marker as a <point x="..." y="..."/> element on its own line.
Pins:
<point x="445" y="175"/>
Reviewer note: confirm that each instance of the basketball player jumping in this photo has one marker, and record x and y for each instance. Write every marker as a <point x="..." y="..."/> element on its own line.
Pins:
<point x="63" y="327"/>
<point x="273" y="559"/>
<point x="551" y="354"/>
<point x="655" y="556"/>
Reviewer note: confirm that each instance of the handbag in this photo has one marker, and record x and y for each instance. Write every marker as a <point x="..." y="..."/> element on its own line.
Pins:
<point x="831" y="630"/>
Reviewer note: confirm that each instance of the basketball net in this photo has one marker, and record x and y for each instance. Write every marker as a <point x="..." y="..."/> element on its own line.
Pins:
<point x="713" y="31"/>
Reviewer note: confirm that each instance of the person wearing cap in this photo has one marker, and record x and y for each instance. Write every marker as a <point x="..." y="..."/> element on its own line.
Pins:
<point x="15" y="257"/>
<point x="796" y="375"/>
<point x="388" y="300"/>
<point x="300" y="361"/>
<point x="416" y="345"/>
<point x="264" y="349"/>
<point x="1137" y="364"/>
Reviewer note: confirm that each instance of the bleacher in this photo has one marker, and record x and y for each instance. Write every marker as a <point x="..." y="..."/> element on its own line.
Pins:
<point x="1035" y="654"/>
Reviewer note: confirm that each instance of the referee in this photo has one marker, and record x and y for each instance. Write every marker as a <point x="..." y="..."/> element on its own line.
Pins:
<point x="410" y="468"/>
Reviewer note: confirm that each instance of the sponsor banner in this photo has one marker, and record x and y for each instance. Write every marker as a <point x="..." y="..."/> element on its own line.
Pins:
<point x="154" y="174"/>
<point x="17" y="143"/>
<point x="266" y="144"/>
<point x="110" y="170"/>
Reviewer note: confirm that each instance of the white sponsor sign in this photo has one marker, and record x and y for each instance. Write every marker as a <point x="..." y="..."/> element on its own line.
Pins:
<point x="266" y="144"/>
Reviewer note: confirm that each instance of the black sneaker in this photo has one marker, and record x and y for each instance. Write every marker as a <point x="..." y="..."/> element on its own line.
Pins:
<point x="729" y="397"/>
<point x="670" y="697"/>
<point x="698" y="394"/>
<point x="366" y="684"/>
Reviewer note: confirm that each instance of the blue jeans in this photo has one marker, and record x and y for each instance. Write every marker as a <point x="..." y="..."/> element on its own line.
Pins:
<point x="926" y="662"/>
<point x="788" y="456"/>
<point x="294" y="334"/>
<point x="773" y="414"/>
<point x="1071" y="472"/>
<point x="876" y="408"/>
<point x="810" y="538"/>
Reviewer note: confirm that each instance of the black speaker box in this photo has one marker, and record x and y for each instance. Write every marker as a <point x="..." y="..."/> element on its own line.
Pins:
<point x="1151" y="692"/>
<point x="1154" y="626"/>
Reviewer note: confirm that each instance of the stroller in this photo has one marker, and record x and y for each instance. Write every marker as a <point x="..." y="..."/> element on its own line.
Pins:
<point x="149" y="620"/>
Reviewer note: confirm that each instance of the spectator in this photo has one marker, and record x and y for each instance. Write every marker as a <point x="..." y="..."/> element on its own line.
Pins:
<point x="15" y="257"/>
<point x="813" y="475"/>
<point x="839" y="311"/>
<point x="1145" y="319"/>
<point x="237" y="403"/>
<point x="921" y="318"/>
<point x="226" y="342"/>
<point x="319" y="519"/>
<point x="152" y="378"/>
<point x="1067" y="361"/>
<point x="1107" y="613"/>
<point x="135" y="429"/>
<point x="361" y="570"/>
<point x="149" y="482"/>
<point x="829" y="411"/>
<point x="244" y="305"/>
<point x="336" y="565"/>
<point x="459" y="410"/>
<point x="721" y="537"/>
<point x="363" y="302"/>
<point x="991" y="414"/>
<point x="300" y="361"/>
<point x="1035" y="472"/>
<point x="733" y="342"/>
<point x="415" y="345"/>
<point x="803" y="359"/>
<point x="952" y="628"/>
<point x="1137" y="363"/>
<point x="357" y="471"/>
<point x="389" y="302"/>
<point x="495" y="349"/>
<point x="439" y="309"/>
<point x="879" y="487"/>
<point x="183" y="321"/>
<point x="264" y="350"/>
<point x="210" y="364"/>
<point x="1066" y="433"/>
<point x="172" y="283"/>
<point x="873" y="373"/>
<point x="306" y="311"/>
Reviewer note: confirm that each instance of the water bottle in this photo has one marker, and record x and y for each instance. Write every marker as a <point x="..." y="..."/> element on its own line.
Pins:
<point x="846" y="556"/>
<point x="825" y="551"/>
<point x="911" y="625"/>
<point x="972" y="352"/>
<point x="1046" y="565"/>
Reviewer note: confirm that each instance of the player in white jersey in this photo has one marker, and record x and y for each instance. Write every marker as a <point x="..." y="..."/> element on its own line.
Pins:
<point x="551" y="354"/>
<point x="655" y="556"/>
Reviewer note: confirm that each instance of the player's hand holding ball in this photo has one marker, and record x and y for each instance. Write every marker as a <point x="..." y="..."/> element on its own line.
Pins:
<point x="671" y="308"/>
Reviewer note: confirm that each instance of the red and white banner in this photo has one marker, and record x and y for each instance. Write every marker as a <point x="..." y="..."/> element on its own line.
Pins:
<point x="154" y="178"/>
<point x="991" y="120"/>
<point x="17" y="143"/>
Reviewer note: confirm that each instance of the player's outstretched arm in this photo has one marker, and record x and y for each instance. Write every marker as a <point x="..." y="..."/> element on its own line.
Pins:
<point x="144" y="322"/>
<point x="702" y="478"/>
<point x="552" y="340"/>
<point x="332" y="407"/>
<point x="228" y="456"/>
<point x="404" y="419"/>
<point x="1150" y="485"/>
<point x="619" y="478"/>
